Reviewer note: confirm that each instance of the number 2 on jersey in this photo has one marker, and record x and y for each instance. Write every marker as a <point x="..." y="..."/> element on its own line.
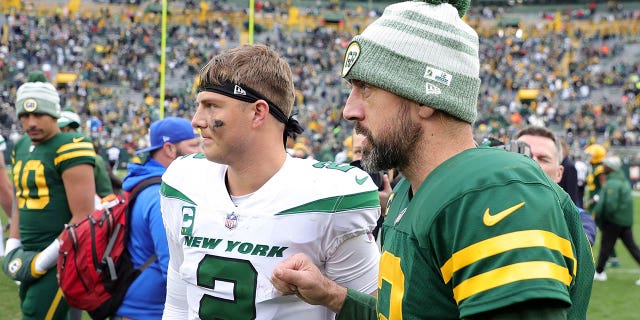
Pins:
<point x="241" y="275"/>
<point x="390" y="287"/>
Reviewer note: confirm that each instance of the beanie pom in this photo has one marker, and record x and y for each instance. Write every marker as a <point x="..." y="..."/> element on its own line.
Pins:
<point x="37" y="76"/>
<point x="461" y="5"/>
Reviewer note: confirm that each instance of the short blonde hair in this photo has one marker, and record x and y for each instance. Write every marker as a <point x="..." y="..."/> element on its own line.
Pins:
<point x="255" y="66"/>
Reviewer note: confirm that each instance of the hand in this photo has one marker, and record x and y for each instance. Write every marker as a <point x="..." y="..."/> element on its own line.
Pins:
<point x="298" y="275"/>
<point x="384" y="193"/>
<point x="17" y="266"/>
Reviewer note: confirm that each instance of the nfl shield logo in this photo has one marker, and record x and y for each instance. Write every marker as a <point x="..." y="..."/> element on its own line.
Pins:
<point x="232" y="221"/>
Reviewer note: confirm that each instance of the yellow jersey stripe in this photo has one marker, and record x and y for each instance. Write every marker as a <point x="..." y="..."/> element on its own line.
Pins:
<point x="54" y="305"/>
<point x="506" y="242"/>
<point x="71" y="155"/>
<point x="509" y="274"/>
<point x="77" y="145"/>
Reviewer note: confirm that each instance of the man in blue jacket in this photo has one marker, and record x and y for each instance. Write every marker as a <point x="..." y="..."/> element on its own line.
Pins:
<point x="170" y="138"/>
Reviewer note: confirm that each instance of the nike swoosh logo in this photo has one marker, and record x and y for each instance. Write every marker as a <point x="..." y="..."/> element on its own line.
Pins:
<point x="360" y="181"/>
<point x="490" y="220"/>
<point x="78" y="139"/>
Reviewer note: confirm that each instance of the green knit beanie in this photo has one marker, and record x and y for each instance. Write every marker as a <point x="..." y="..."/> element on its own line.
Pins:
<point x="38" y="97"/>
<point x="423" y="52"/>
<point x="36" y="76"/>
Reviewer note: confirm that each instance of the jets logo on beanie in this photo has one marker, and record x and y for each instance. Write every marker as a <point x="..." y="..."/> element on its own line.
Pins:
<point x="38" y="97"/>
<point x="422" y="51"/>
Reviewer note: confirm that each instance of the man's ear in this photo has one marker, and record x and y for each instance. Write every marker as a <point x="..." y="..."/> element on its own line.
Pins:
<point x="559" y="173"/>
<point x="169" y="149"/>
<point x="425" y="111"/>
<point x="261" y="112"/>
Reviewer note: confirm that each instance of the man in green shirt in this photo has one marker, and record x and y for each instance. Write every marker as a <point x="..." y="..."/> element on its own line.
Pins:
<point x="471" y="232"/>
<point x="614" y="213"/>
<point x="69" y="121"/>
<point x="53" y="179"/>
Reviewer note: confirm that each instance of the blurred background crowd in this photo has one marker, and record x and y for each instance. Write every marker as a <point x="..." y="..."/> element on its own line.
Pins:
<point x="573" y="68"/>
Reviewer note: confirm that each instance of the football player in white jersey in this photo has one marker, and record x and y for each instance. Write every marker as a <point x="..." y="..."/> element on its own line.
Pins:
<point x="236" y="211"/>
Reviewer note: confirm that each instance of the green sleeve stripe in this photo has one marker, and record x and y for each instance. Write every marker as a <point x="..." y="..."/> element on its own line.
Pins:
<point x="335" y="204"/>
<point x="170" y="192"/>
<point x="506" y="242"/>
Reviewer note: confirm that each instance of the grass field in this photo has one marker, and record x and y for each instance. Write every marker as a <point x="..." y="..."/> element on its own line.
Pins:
<point x="613" y="299"/>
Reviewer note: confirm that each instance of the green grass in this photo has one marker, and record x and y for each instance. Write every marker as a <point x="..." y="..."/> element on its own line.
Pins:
<point x="616" y="297"/>
<point x="9" y="301"/>
<point x="613" y="299"/>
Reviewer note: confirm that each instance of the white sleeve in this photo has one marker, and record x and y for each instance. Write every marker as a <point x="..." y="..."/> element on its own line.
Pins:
<point x="355" y="263"/>
<point x="176" y="305"/>
<point x="172" y="227"/>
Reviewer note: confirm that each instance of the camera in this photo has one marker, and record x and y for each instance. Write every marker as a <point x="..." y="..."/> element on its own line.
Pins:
<point x="511" y="146"/>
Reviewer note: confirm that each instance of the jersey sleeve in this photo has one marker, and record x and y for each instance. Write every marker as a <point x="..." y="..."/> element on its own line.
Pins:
<point x="177" y="210"/>
<point x="101" y="177"/>
<point x="352" y="256"/>
<point x="355" y="264"/>
<point x="171" y="218"/>
<point x="358" y="305"/>
<point x="516" y="247"/>
<point x="74" y="149"/>
<point x="176" y="305"/>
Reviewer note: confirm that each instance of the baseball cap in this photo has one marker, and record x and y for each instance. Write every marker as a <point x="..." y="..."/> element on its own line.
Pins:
<point x="612" y="162"/>
<point x="169" y="129"/>
<point x="69" y="118"/>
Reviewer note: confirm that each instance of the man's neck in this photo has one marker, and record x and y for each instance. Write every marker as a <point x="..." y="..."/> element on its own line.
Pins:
<point x="250" y="176"/>
<point x="432" y="152"/>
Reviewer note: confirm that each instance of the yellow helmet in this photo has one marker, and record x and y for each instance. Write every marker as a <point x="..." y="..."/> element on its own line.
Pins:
<point x="597" y="153"/>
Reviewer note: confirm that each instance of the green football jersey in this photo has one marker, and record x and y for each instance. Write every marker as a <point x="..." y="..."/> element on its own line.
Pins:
<point x="101" y="178"/>
<point x="37" y="176"/>
<point x="485" y="230"/>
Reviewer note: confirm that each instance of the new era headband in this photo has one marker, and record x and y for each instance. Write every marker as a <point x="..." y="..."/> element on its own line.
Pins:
<point x="245" y="93"/>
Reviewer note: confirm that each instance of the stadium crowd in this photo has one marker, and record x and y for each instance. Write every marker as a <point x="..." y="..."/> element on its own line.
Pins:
<point x="579" y="80"/>
<point x="585" y="92"/>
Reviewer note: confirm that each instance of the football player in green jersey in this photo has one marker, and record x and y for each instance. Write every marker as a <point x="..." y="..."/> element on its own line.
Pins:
<point x="69" y="121"/>
<point x="471" y="232"/>
<point x="53" y="179"/>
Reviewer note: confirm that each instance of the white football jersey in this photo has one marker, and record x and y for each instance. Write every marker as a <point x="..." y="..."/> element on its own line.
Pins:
<point x="225" y="254"/>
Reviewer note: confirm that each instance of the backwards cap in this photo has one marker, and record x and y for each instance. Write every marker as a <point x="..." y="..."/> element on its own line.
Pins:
<point x="169" y="129"/>
<point x="69" y="118"/>
<point x="38" y="97"/>
<point x="422" y="51"/>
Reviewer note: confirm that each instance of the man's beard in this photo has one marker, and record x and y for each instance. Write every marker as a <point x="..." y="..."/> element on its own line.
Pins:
<point x="394" y="147"/>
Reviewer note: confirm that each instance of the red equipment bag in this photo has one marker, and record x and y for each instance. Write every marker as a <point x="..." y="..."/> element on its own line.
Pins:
<point x="94" y="266"/>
